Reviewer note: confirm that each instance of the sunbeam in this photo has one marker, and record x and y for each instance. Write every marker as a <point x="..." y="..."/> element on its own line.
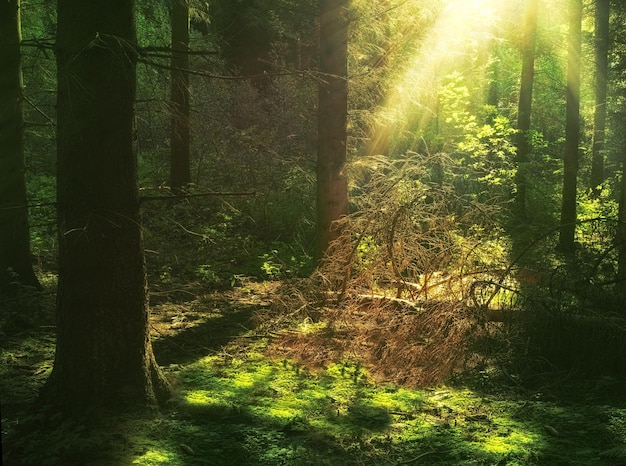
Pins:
<point x="460" y="40"/>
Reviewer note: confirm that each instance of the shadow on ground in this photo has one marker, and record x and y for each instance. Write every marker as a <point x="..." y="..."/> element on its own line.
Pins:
<point x="183" y="332"/>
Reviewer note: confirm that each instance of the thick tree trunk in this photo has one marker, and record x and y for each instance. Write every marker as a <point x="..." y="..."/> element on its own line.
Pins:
<point x="332" y="184"/>
<point x="599" y="118"/>
<point x="525" y="104"/>
<point x="572" y="130"/>
<point x="15" y="259"/>
<point x="180" y="172"/>
<point x="103" y="357"/>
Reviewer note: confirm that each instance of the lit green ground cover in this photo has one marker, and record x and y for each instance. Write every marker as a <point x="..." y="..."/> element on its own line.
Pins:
<point x="235" y="405"/>
<point x="252" y="410"/>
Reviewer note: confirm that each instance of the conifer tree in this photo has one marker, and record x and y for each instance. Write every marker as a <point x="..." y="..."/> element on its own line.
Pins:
<point x="332" y="184"/>
<point x="15" y="258"/>
<point x="103" y="353"/>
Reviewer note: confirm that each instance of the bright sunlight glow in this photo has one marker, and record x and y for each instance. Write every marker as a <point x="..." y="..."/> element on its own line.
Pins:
<point x="463" y="34"/>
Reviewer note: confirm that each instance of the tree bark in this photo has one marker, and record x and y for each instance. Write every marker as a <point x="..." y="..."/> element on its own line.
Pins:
<point x="572" y="130"/>
<point x="332" y="184"/>
<point x="525" y="104"/>
<point x="15" y="258"/>
<point x="103" y="357"/>
<point x="180" y="171"/>
<point x="621" y="231"/>
<point x="599" y="117"/>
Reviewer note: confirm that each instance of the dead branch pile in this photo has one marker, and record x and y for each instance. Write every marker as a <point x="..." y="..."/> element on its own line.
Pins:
<point x="396" y="291"/>
<point x="424" y="285"/>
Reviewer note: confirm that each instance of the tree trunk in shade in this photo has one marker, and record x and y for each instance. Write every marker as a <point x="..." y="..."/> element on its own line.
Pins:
<point x="572" y="130"/>
<point x="332" y="184"/>
<point x="15" y="258"/>
<point x="525" y="105"/>
<point x="599" y="117"/>
<point x="103" y="357"/>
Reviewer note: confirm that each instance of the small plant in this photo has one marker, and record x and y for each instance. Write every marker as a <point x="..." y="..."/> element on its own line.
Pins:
<point x="284" y="262"/>
<point x="208" y="275"/>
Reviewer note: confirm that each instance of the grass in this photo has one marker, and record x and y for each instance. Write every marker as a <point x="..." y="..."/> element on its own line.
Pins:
<point x="236" y="405"/>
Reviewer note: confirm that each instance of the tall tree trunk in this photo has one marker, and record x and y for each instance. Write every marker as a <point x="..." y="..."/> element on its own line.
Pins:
<point x="572" y="130"/>
<point x="332" y="184"/>
<point x="15" y="259"/>
<point x="493" y="91"/>
<point x="525" y="104"/>
<point x="599" y="118"/>
<point x="621" y="231"/>
<point x="180" y="172"/>
<point x="103" y="355"/>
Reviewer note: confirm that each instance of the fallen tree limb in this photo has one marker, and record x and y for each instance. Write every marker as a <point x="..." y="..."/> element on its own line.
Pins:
<point x="191" y="196"/>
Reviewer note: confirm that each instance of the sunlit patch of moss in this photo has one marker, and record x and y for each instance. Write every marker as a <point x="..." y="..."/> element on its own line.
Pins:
<point x="521" y="438"/>
<point x="286" y="382"/>
<point x="244" y="380"/>
<point x="283" y="412"/>
<point x="340" y="407"/>
<point x="400" y="400"/>
<point x="497" y="444"/>
<point x="203" y="397"/>
<point x="155" y="457"/>
<point x="516" y="445"/>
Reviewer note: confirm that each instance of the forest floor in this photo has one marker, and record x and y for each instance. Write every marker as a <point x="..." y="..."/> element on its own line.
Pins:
<point x="236" y="404"/>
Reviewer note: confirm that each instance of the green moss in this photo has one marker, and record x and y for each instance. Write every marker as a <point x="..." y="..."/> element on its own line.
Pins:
<point x="241" y="407"/>
<point x="156" y="457"/>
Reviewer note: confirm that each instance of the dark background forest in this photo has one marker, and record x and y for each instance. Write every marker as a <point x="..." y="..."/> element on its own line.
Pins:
<point x="312" y="232"/>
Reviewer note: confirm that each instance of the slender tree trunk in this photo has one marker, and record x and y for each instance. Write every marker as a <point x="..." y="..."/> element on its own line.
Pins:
<point x="621" y="231"/>
<point x="572" y="130"/>
<point x="493" y="91"/>
<point x="103" y="355"/>
<point x="180" y="171"/>
<point x="332" y="184"/>
<point x="620" y="123"/>
<point x="525" y="104"/>
<point x="15" y="259"/>
<point x="599" y="118"/>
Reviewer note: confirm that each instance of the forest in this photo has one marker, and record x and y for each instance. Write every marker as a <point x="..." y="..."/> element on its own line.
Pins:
<point x="313" y="232"/>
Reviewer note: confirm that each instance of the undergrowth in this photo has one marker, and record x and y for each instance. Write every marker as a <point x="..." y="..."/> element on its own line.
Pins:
<point x="236" y="403"/>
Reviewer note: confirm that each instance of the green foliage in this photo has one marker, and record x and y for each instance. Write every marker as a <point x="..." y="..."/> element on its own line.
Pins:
<point x="280" y="21"/>
<point x="200" y="227"/>
<point x="42" y="218"/>
<point x="285" y="262"/>
<point x="597" y="229"/>
<point x="39" y="76"/>
<point x="250" y="144"/>
<point x="221" y="244"/>
<point x="488" y="150"/>
<point x="153" y="22"/>
<point x="454" y="101"/>
<point x="481" y="145"/>
<point x="367" y="253"/>
<point x="340" y="412"/>
<point x="208" y="275"/>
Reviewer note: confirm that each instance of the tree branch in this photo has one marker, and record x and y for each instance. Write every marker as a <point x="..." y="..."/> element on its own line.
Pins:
<point x="190" y="196"/>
